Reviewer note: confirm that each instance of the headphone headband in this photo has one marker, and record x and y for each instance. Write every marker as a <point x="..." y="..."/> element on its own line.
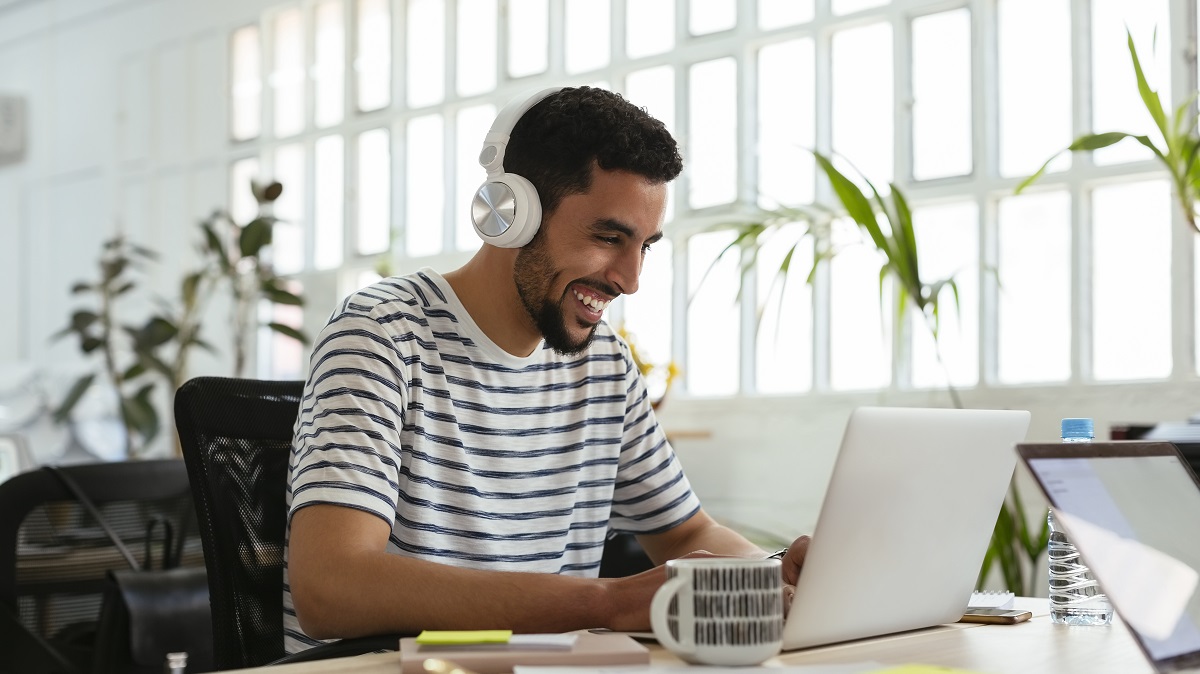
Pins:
<point x="506" y="210"/>
<point x="491" y="157"/>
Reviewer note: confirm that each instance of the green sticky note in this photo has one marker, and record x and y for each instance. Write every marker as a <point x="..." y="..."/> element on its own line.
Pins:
<point x="463" y="637"/>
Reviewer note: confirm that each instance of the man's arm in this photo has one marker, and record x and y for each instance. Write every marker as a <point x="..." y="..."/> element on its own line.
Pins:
<point x="698" y="533"/>
<point x="344" y="583"/>
<point x="701" y="533"/>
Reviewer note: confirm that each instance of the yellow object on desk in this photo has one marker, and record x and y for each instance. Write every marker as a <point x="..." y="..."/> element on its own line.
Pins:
<point x="463" y="637"/>
<point x="921" y="669"/>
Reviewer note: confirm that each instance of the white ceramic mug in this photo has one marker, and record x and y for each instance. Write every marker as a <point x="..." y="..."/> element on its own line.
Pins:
<point x="720" y="611"/>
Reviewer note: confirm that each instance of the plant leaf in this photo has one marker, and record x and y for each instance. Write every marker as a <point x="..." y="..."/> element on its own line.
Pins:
<point x="139" y="414"/>
<point x="280" y="296"/>
<point x="114" y="267"/>
<point x="81" y="287"/>
<point x="289" y="331"/>
<point x="1086" y="142"/>
<point x="254" y="236"/>
<point x="906" y="239"/>
<point x="159" y="331"/>
<point x="82" y="320"/>
<point x="1149" y="97"/>
<point x="80" y="387"/>
<point x="134" y="371"/>
<point x="852" y="198"/>
<point x="189" y="286"/>
<point x="215" y="247"/>
<point x="90" y="344"/>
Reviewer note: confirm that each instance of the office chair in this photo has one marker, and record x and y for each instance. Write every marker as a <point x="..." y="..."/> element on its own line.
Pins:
<point x="236" y="436"/>
<point x="55" y="556"/>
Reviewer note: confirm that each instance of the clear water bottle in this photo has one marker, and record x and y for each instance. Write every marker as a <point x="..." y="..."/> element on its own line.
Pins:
<point x="1075" y="597"/>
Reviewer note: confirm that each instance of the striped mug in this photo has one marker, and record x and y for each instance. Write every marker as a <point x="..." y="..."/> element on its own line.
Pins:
<point x="720" y="611"/>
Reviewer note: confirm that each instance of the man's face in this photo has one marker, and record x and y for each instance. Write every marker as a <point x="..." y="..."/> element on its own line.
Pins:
<point x="586" y="253"/>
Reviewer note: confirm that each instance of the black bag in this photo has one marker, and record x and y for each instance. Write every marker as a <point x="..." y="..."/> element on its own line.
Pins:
<point x="145" y="613"/>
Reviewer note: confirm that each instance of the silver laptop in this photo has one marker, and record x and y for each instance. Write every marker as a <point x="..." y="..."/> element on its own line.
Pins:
<point x="1133" y="510"/>
<point x="905" y="523"/>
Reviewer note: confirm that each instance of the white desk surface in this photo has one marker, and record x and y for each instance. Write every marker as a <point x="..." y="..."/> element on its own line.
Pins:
<point x="1034" y="647"/>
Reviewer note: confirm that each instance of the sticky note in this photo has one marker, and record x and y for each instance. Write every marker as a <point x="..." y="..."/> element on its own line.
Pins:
<point x="463" y="637"/>
<point x="919" y="669"/>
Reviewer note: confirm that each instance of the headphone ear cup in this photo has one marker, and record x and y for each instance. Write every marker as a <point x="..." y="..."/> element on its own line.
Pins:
<point x="506" y="211"/>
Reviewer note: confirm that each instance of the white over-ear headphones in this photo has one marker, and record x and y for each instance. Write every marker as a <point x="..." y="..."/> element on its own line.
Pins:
<point x="506" y="210"/>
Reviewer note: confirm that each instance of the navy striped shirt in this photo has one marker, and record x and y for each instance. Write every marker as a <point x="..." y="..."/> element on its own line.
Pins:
<point x="475" y="457"/>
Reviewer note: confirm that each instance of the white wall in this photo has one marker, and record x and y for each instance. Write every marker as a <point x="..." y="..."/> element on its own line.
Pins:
<point x="127" y="109"/>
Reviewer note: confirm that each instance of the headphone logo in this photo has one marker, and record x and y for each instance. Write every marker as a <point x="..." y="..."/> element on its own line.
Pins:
<point x="506" y="210"/>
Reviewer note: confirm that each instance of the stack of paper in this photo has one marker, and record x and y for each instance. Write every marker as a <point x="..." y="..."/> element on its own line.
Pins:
<point x="497" y="652"/>
<point x="990" y="599"/>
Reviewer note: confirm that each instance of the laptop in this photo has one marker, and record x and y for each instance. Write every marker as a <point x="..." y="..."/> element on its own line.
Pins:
<point x="905" y="523"/>
<point x="1133" y="511"/>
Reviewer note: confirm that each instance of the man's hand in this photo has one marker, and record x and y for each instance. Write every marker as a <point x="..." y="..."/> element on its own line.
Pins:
<point x="793" y="561"/>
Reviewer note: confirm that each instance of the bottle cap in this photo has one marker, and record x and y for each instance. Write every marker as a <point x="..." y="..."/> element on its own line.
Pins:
<point x="1078" y="428"/>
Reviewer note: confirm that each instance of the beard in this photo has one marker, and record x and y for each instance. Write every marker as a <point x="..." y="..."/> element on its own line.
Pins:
<point x="534" y="274"/>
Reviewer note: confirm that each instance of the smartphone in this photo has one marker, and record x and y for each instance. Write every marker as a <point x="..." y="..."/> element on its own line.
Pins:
<point x="995" y="616"/>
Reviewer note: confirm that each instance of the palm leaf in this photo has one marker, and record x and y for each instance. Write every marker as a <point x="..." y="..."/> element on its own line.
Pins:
<point x="1149" y="96"/>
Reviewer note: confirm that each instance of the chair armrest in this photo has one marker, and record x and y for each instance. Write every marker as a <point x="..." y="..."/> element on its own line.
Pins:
<point x="345" y="647"/>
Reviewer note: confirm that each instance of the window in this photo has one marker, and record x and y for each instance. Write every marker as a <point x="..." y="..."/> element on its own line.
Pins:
<point x="426" y="52"/>
<point x="375" y="137"/>
<point x="713" y="331"/>
<point x="329" y="67"/>
<point x="711" y="143"/>
<point x="1034" y="313"/>
<point x="941" y="72"/>
<point x="528" y="37"/>
<point x="711" y="16"/>
<point x="863" y="123"/>
<point x="374" y="186"/>
<point x="329" y="209"/>
<point x="1034" y="73"/>
<point x="1131" y="312"/>
<point x="245" y="95"/>
<point x="587" y="35"/>
<point x="287" y="240"/>
<point x="287" y="74"/>
<point x="476" y="47"/>
<point x="373" y="55"/>
<point x="424" y="192"/>
<point x="649" y="27"/>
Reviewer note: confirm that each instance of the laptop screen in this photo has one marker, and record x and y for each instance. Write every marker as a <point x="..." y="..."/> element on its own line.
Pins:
<point x="1150" y="498"/>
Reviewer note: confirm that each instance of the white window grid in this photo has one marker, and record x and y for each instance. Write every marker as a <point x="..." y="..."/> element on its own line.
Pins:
<point x="984" y="185"/>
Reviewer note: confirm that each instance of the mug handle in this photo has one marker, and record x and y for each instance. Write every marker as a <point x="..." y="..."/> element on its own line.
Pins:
<point x="658" y="614"/>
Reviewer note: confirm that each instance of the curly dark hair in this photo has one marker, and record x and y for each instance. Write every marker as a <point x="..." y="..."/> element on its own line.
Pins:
<point x="556" y="142"/>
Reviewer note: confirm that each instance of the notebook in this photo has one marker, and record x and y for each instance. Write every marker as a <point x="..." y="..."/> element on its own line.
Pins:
<point x="1133" y="510"/>
<point x="589" y="650"/>
<point x="991" y="599"/>
<point x="905" y="523"/>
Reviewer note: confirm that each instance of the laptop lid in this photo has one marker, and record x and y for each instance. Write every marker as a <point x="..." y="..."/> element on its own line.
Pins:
<point x="905" y="523"/>
<point x="1115" y="498"/>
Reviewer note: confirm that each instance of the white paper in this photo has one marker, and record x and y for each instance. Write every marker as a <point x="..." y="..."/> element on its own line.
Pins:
<point x="853" y="668"/>
<point x="1151" y="588"/>
<point x="546" y="641"/>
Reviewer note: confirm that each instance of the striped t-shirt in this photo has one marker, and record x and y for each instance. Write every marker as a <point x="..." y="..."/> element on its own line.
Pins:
<point x="475" y="457"/>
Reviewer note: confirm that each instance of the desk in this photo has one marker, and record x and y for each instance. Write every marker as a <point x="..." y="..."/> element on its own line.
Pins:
<point x="1034" y="647"/>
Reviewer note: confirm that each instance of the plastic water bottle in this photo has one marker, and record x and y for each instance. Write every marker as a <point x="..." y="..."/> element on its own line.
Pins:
<point x="1075" y="597"/>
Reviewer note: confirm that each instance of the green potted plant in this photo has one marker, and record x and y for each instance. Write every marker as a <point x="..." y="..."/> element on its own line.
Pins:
<point x="887" y="224"/>
<point x="1178" y="153"/>
<point x="127" y="353"/>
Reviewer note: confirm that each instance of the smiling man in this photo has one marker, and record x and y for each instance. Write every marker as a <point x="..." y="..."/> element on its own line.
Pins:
<point x="466" y="442"/>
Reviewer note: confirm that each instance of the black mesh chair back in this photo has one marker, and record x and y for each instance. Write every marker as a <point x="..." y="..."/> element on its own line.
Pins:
<point x="54" y="556"/>
<point x="236" y="436"/>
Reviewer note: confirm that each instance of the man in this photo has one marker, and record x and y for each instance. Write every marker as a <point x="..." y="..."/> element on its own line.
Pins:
<point x="466" y="442"/>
